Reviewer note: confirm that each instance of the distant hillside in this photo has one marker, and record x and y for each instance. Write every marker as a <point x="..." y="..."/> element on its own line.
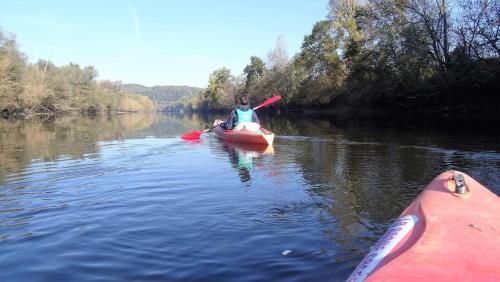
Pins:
<point x="164" y="96"/>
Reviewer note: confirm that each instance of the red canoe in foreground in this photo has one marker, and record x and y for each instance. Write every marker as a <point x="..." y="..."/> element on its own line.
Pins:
<point x="265" y="136"/>
<point x="444" y="235"/>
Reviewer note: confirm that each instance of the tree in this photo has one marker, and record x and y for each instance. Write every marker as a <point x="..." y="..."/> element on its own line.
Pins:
<point x="322" y="64"/>
<point x="433" y="16"/>
<point x="253" y="71"/>
<point x="12" y="66"/>
<point x="319" y="50"/>
<point x="394" y="55"/>
<point x="343" y="18"/>
<point x="281" y="78"/>
<point x="478" y="28"/>
<point x="216" y="85"/>
<point x="278" y="58"/>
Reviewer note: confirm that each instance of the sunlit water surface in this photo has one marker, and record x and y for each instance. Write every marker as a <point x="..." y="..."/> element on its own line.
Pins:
<point x="123" y="198"/>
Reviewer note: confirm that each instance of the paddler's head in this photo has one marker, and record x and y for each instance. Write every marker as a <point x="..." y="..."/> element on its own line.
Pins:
<point x="243" y="98"/>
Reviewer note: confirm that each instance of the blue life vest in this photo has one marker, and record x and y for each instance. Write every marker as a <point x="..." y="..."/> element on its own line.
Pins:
<point x="244" y="116"/>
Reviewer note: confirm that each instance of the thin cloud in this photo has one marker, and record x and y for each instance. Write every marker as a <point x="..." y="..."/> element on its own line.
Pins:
<point x="137" y="27"/>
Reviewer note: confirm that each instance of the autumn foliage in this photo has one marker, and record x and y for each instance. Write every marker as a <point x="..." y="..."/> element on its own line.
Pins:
<point x="43" y="88"/>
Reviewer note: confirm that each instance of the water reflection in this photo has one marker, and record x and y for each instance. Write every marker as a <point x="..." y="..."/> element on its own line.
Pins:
<point x="324" y="192"/>
<point x="244" y="157"/>
<point x="72" y="137"/>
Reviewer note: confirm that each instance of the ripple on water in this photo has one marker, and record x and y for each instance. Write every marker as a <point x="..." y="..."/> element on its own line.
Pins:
<point x="163" y="209"/>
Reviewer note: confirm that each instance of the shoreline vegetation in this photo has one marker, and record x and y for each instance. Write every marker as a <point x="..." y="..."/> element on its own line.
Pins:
<point x="375" y="59"/>
<point x="380" y="58"/>
<point x="43" y="89"/>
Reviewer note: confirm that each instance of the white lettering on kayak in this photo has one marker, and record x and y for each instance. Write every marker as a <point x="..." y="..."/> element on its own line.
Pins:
<point x="384" y="245"/>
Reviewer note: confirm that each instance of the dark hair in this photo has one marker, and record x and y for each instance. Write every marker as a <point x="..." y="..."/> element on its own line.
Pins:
<point x="243" y="98"/>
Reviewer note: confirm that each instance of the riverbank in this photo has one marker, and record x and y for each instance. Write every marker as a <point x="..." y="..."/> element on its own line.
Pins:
<point x="407" y="120"/>
<point x="24" y="115"/>
<point x="474" y="117"/>
<point x="455" y="108"/>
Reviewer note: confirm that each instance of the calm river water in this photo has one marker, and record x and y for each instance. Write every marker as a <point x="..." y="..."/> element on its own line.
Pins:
<point x="123" y="198"/>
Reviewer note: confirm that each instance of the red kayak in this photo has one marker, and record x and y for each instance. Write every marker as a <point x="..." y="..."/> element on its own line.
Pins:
<point x="263" y="136"/>
<point x="451" y="232"/>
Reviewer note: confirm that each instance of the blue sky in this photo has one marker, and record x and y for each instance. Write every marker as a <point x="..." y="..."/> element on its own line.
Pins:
<point x="158" y="42"/>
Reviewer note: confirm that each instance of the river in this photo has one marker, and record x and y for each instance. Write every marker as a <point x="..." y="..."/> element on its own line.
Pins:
<point x="123" y="198"/>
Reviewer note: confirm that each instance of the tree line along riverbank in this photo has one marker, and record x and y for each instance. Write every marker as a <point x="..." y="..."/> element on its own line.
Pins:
<point x="43" y="88"/>
<point x="378" y="56"/>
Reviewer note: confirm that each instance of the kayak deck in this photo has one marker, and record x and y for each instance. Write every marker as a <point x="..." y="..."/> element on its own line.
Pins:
<point x="441" y="236"/>
<point x="265" y="136"/>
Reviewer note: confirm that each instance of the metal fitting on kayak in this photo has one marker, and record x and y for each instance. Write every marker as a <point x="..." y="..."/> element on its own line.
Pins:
<point x="459" y="183"/>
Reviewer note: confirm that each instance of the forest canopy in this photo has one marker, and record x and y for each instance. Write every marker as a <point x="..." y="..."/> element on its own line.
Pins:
<point x="436" y="55"/>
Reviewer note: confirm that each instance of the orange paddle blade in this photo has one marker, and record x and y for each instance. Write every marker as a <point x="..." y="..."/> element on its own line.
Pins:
<point x="194" y="135"/>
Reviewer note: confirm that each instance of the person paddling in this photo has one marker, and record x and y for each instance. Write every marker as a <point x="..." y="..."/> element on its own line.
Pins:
<point x="241" y="117"/>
